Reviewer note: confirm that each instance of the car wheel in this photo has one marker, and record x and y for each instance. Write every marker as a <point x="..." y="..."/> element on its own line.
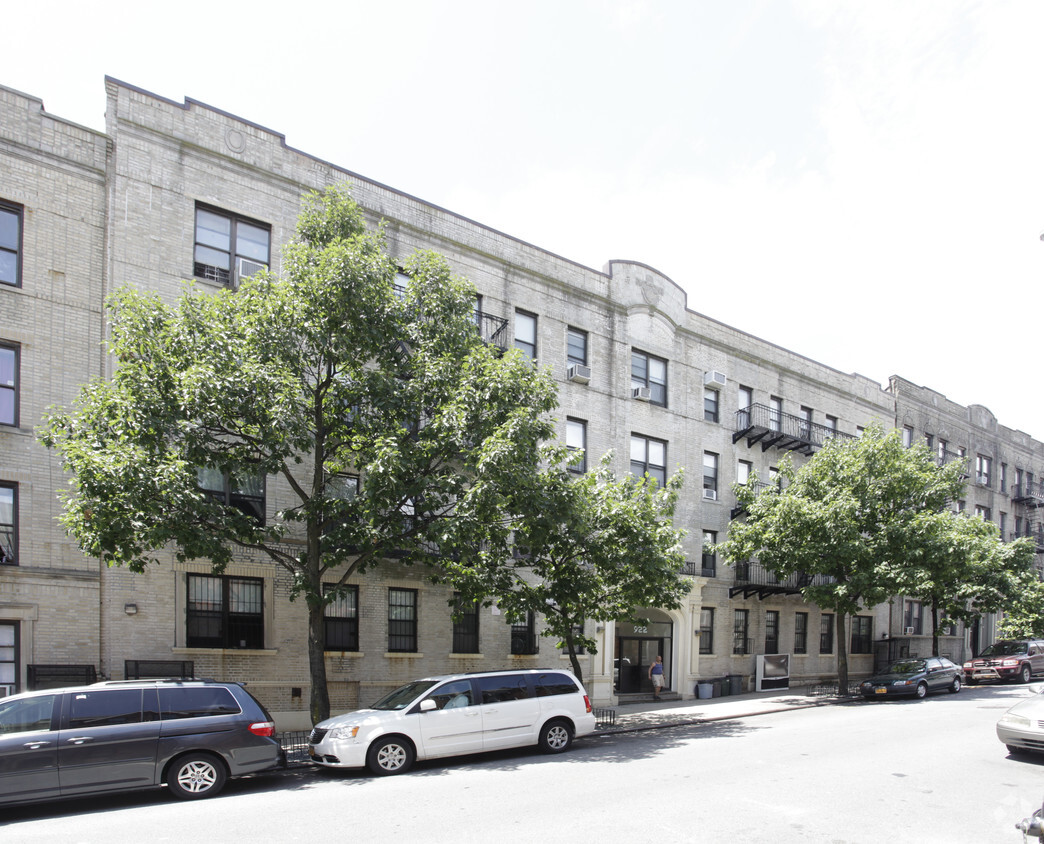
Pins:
<point x="1025" y="674"/>
<point x="922" y="691"/>
<point x="555" y="737"/>
<point x="390" y="755"/>
<point x="955" y="686"/>
<point x="195" y="776"/>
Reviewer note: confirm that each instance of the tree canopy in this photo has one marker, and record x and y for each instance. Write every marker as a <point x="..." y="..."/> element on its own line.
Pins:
<point x="870" y="518"/>
<point x="579" y="547"/>
<point x="307" y="383"/>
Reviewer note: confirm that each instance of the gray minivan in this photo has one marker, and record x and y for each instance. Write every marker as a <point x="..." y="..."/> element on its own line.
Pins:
<point x="116" y="736"/>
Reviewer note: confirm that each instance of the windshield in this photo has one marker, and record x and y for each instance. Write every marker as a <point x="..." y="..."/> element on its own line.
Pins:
<point x="1004" y="649"/>
<point x="906" y="666"/>
<point x="404" y="695"/>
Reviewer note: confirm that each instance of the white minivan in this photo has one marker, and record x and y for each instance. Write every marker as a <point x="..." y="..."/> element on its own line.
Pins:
<point x="454" y="715"/>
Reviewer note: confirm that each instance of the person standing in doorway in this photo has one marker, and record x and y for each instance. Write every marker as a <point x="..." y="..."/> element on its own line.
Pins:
<point x="656" y="675"/>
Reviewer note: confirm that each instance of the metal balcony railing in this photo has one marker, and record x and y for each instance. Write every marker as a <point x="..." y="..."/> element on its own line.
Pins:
<point x="759" y="487"/>
<point x="493" y="330"/>
<point x="762" y="424"/>
<point x="752" y="578"/>
<point x="1030" y="495"/>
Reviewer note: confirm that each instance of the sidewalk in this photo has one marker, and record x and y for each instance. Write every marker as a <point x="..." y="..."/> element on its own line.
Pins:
<point x="632" y="717"/>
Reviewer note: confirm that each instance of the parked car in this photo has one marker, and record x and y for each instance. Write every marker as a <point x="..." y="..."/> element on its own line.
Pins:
<point x="191" y="735"/>
<point x="915" y="677"/>
<point x="1016" y="660"/>
<point x="454" y="715"/>
<point x="1022" y="727"/>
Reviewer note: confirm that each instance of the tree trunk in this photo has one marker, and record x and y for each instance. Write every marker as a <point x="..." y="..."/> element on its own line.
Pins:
<point x="842" y="655"/>
<point x="572" y="655"/>
<point x="935" y="630"/>
<point x="319" y="699"/>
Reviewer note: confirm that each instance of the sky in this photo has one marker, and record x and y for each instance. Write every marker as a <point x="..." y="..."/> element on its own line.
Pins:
<point x="861" y="182"/>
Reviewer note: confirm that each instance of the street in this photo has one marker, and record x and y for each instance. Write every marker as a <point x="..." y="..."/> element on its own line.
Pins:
<point x="929" y="771"/>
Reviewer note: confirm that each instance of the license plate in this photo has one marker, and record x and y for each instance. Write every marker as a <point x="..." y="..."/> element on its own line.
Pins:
<point x="880" y="691"/>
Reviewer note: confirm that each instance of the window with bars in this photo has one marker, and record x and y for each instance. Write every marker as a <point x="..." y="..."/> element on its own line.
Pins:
<point x="707" y="630"/>
<point x="772" y="632"/>
<point x="341" y="619"/>
<point x="402" y="620"/>
<point x="523" y="636"/>
<point x="224" y="611"/>
<point x="740" y="627"/>
<point x="229" y="247"/>
<point x="826" y="633"/>
<point x="801" y="633"/>
<point x="465" y="626"/>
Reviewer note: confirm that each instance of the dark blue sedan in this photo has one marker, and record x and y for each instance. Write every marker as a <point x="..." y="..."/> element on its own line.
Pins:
<point x="913" y="677"/>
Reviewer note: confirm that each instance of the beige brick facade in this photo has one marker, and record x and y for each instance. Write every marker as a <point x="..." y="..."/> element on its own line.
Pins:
<point x="104" y="210"/>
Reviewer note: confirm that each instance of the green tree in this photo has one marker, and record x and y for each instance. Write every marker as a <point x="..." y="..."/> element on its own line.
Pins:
<point x="960" y="569"/>
<point x="310" y="380"/>
<point x="1024" y="617"/>
<point x="578" y="548"/>
<point x="843" y="521"/>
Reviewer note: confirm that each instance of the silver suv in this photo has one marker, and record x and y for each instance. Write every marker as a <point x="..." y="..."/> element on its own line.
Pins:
<point x="190" y="734"/>
<point x="454" y="715"/>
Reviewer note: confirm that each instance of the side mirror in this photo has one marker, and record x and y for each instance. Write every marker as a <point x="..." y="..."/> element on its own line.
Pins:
<point x="428" y="705"/>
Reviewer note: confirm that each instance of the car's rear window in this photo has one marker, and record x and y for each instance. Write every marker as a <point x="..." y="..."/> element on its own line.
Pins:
<point x="554" y="684"/>
<point x="196" y="702"/>
<point x="503" y="687"/>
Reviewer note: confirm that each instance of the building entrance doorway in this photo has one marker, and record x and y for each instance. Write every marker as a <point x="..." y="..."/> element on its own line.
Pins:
<point x="637" y="647"/>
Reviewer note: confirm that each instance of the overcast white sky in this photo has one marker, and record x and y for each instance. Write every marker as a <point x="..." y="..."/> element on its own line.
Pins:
<point x="861" y="182"/>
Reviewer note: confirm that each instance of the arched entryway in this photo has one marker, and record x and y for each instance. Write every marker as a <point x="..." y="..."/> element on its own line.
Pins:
<point x="637" y="646"/>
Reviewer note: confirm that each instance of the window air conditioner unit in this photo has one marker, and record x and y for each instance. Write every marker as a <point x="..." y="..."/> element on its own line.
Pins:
<point x="6" y="689"/>
<point x="714" y="380"/>
<point x="909" y="631"/>
<point x="579" y="373"/>
<point x="246" y="268"/>
<point x="641" y="393"/>
<point x="710" y="494"/>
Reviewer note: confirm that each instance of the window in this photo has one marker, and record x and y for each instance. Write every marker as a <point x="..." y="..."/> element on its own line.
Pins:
<point x="576" y="346"/>
<point x="402" y="620"/>
<point x="28" y="715"/>
<point x="9" y="652"/>
<point x="650" y="372"/>
<point x="746" y="399"/>
<point x="341" y="618"/>
<point x="710" y="475"/>
<point x="246" y="494"/>
<point x="913" y="618"/>
<point x="576" y="441"/>
<point x="775" y="413"/>
<point x="526" y="334"/>
<point x="831" y="423"/>
<point x="108" y="708"/>
<point x="710" y="405"/>
<point x="709" y="562"/>
<point x="744" y="469"/>
<point x="983" y="468"/>
<point x="10" y="244"/>
<point x="942" y="451"/>
<point x="8" y="524"/>
<point x="225" y="612"/>
<point x="228" y="247"/>
<point x="772" y="632"/>
<point x="649" y="457"/>
<point x="984" y="513"/>
<point x="177" y="703"/>
<point x="806" y="422"/>
<point x="801" y="633"/>
<point x="465" y="626"/>
<point x="1004" y="477"/>
<point x="1002" y="524"/>
<point x="826" y="633"/>
<point x="523" y="636"/>
<point x="740" y="623"/>
<point x="8" y="384"/>
<point x="707" y="630"/>
<point x="929" y="442"/>
<point x="861" y="634"/>
<point x="907" y="436"/>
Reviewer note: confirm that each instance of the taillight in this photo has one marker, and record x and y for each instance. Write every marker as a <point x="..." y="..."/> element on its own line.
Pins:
<point x="587" y="702"/>
<point x="263" y="728"/>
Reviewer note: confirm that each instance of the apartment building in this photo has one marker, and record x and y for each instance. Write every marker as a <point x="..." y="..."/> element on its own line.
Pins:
<point x="174" y="191"/>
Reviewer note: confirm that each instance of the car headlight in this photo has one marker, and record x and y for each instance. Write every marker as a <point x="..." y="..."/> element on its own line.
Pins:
<point x="901" y="682"/>
<point x="343" y="733"/>
<point x="1013" y="720"/>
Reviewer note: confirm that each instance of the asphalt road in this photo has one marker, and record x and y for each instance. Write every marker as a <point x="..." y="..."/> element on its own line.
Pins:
<point x="903" y="771"/>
